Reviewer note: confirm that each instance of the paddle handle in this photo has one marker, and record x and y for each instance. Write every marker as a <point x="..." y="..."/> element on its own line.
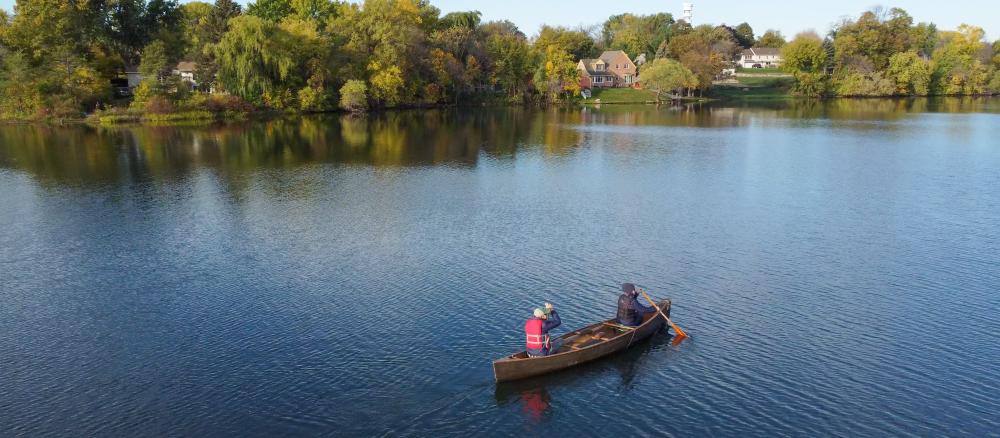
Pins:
<point x="664" y="315"/>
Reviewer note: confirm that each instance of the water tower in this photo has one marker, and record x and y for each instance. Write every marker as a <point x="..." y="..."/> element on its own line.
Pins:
<point x="688" y="12"/>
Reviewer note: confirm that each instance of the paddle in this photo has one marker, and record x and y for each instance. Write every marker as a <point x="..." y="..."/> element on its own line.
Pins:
<point x="680" y="333"/>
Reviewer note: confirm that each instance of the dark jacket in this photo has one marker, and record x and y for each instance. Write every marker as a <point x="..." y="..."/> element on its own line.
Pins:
<point x="547" y="325"/>
<point x="630" y="310"/>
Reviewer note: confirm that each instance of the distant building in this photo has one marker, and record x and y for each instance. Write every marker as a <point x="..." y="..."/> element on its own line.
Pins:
<point x="614" y="69"/>
<point x="134" y="78"/>
<point x="760" y="57"/>
<point x="186" y="70"/>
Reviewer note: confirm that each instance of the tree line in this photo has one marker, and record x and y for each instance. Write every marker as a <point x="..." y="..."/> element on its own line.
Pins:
<point x="884" y="53"/>
<point x="58" y="57"/>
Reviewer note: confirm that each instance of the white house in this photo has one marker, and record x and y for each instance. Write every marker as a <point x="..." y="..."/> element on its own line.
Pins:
<point x="186" y="70"/>
<point x="760" y="57"/>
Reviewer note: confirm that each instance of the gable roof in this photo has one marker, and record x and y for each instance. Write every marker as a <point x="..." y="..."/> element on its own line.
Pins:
<point x="609" y="55"/>
<point x="589" y="67"/>
<point x="186" y="66"/>
<point x="761" y="51"/>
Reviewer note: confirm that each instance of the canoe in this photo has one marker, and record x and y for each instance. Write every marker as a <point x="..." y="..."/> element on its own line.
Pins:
<point x="579" y="346"/>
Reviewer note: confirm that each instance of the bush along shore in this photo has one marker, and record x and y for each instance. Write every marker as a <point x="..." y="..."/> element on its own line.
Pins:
<point x="63" y="59"/>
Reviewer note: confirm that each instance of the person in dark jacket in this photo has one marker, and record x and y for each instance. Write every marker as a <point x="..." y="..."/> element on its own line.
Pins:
<point x="536" y="330"/>
<point x="630" y="310"/>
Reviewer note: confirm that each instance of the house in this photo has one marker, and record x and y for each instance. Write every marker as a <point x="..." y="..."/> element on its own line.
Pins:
<point x="133" y="77"/>
<point x="613" y="69"/>
<point x="186" y="70"/>
<point x="760" y="57"/>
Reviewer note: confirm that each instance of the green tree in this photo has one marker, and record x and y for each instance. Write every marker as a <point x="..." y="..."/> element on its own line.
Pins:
<point x="254" y="60"/>
<point x="666" y="76"/>
<point x="771" y="38"/>
<point x="132" y="24"/>
<point x="994" y="85"/>
<point x="469" y="20"/>
<point x="210" y="32"/>
<point x="804" y="54"/>
<point x="911" y="74"/>
<point x="744" y="35"/>
<point x="805" y="58"/>
<point x="155" y="64"/>
<point x="273" y="10"/>
<point x="511" y="55"/>
<point x="923" y="38"/>
<point x="192" y="15"/>
<point x="354" y="96"/>
<point x="637" y="34"/>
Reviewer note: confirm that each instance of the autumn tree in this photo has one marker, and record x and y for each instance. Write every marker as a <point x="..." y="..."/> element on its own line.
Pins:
<point x="557" y="74"/>
<point x="705" y="51"/>
<point x="805" y="58"/>
<point x="867" y="43"/>
<point x="577" y="43"/>
<point x="666" y="76"/>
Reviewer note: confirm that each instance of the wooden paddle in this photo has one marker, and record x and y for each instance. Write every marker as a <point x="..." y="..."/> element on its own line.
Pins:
<point x="680" y="333"/>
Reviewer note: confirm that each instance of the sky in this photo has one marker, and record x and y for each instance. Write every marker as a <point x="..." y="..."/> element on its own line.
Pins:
<point x="788" y="16"/>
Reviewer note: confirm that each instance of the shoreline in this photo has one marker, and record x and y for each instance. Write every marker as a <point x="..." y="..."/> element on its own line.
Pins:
<point x="204" y="118"/>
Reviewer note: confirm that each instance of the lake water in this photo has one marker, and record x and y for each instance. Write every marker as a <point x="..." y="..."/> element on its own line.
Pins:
<point x="835" y="263"/>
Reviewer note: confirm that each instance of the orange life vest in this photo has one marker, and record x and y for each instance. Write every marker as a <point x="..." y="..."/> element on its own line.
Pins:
<point x="535" y="339"/>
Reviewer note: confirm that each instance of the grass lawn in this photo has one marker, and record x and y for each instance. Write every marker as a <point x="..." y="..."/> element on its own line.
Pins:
<point x="621" y="95"/>
<point x="754" y="88"/>
<point x="759" y="70"/>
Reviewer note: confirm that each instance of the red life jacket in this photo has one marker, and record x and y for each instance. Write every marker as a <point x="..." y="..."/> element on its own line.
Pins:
<point x="535" y="339"/>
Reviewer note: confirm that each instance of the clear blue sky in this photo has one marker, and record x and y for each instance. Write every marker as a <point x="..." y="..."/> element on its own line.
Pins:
<point x="788" y="16"/>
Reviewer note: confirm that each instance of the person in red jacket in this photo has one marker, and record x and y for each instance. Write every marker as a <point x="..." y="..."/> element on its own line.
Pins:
<point x="536" y="330"/>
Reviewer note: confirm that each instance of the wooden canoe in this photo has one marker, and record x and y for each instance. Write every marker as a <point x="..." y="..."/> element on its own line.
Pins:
<point x="579" y="346"/>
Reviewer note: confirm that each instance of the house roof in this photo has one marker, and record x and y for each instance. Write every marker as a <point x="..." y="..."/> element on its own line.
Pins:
<point x="606" y="58"/>
<point x="589" y="65"/>
<point x="186" y="66"/>
<point x="609" y="55"/>
<point x="761" y="51"/>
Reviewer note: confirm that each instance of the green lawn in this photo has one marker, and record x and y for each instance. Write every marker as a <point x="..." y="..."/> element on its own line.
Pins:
<point x="759" y="70"/>
<point x="621" y="95"/>
<point x="754" y="88"/>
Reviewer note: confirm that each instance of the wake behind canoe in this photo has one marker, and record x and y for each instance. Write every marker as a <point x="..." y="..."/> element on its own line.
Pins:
<point x="579" y="346"/>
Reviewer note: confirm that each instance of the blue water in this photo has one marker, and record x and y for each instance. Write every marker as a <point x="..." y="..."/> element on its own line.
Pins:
<point x="834" y="263"/>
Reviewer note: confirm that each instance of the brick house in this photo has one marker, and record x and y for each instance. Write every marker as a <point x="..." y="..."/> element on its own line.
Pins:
<point x="613" y="69"/>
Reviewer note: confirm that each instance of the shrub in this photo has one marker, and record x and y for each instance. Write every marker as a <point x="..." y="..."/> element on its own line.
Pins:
<point x="158" y="105"/>
<point x="313" y="99"/>
<point x="354" y="96"/>
<point x="227" y="103"/>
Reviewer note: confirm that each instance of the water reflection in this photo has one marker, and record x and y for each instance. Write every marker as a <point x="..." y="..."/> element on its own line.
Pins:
<point x="534" y="395"/>
<point x="84" y="155"/>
